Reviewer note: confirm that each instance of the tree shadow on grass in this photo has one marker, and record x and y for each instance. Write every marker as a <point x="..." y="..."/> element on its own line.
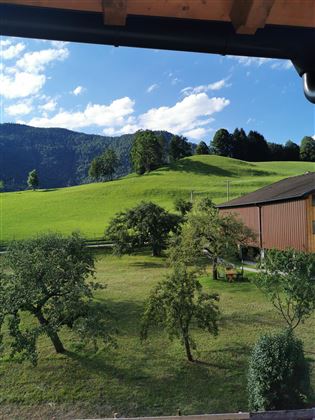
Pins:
<point x="200" y="168"/>
<point x="146" y="264"/>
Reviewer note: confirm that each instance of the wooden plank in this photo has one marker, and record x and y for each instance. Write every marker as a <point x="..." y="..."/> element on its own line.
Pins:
<point x="115" y="12"/>
<point x="249" y="15"/>
<point x="84" y="5"/>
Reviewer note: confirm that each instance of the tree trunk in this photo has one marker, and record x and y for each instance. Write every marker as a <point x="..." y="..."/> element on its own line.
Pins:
<point x="51" y="334"/>
<point x="156" y="250"/>
<point x="187" y="348"/>
<point x="215" y="268"/>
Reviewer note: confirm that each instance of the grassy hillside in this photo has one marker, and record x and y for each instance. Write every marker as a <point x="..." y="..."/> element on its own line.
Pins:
<point x="88" y="208"/>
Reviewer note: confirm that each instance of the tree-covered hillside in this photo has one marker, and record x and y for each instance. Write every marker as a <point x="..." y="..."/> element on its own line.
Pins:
<point x="61" y="157"/>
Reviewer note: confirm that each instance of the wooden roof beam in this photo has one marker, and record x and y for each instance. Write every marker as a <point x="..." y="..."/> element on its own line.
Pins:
<point x="249" y="15"/>
<point x="115" y="12"/>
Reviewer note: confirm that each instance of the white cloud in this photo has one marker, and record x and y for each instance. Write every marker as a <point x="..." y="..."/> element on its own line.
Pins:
<point x="113" y="115"/>
<point x="59" y="44"/>
<point x="191" y="116"/>
<point x="184" y="117"/>
<point x="78" y="90"/>
<point x="18" y="109"/>
<point x="248" y="61"/>
<point x="259" y="61"/>
<point x="20" y="84"/>
<point x="36" y="61"/>
<point x="282" y="65"/>
<point x="49" y="106"/>
<point x="12" y="51"/>
<point x="152" y="87"/>
<point x="205" y="88"/>
<point x="5" y="42"/>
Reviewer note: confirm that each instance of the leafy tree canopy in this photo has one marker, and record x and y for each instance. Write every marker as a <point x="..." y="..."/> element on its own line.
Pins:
<point x="183" y="206"/>
<point x="176" y="303"/>
<point x="147" y="151"/>
<point x="104" y="166"/>
<point x="33" y="180"/>
<point x="307" y="150"/>
<point x="47" y="277"/>
<point x="222" y="143"/>
<point x="202" y="149"/>
<point x="179" y="148"/>
<point x="207" y="232"/>
<point x="145" y="224"/>
<point x="287" y="278"/>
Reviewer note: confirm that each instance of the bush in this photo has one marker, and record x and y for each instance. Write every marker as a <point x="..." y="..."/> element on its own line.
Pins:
<point x="278" y="376"/>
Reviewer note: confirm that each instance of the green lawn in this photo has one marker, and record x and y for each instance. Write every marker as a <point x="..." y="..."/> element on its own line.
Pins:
<point x="149" y="379"/>
<point x="88" y="208"/>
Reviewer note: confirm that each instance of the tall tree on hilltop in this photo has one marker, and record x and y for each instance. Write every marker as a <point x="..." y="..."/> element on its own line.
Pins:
<point x="307" y="150"/>
<point x="291" y="151"/>
<point x="147" y="151"/>
<point x="202" y="149"/>
<point x="276" y="152"/>
<point x="222" y="143"/>
<point x="257" y="147"/>
<point x="179" y="148"/>
<point x="239" y="144"/>
<point x="33" y="180"/>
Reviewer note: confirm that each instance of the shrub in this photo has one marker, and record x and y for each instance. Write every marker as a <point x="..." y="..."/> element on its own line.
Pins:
<point x="278" y="376"/>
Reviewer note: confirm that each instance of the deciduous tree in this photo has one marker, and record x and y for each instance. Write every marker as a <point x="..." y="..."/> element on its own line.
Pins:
<point x="33" y="180"/>
<point x="147" y="151"/>
<point x="145" y="224"/>
<point x="287" y="278"/>
<point x="202" y="149"/>
<point x="207" y="232"/>
<point x="48" y="278"/>
<point x="176" y="303"/>
<point x="307" y="150"/>
<point x="179" y="148"/>
<point x="222" y="143"/>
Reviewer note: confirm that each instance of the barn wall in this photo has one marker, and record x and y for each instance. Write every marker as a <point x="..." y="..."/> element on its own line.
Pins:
<point x="285" y="225"/>
<point x="248" y="215"/>
<point x="310" y="218"/>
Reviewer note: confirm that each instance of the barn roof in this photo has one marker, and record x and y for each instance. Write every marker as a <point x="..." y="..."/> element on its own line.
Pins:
<point x="291" y="188"/>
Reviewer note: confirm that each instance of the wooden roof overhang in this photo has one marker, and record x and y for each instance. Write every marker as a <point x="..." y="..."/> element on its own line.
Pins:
<point x="282" y="29"/>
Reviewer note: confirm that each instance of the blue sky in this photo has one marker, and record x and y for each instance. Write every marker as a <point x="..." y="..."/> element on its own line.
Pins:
<point x="112" y="91"/>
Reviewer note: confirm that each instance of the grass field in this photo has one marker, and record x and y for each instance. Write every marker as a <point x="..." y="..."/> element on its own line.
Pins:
<point x="149" y="379"/>
<point x="88" y="208"/>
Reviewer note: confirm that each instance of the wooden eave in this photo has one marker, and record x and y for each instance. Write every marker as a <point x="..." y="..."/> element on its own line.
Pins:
<point x="247" y="16"/>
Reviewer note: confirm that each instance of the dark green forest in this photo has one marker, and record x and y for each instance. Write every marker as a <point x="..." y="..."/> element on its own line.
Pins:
<point x="61" y="157"/>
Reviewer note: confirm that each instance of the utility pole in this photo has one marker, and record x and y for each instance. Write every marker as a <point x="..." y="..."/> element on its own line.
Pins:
<point x="228" y="189"/>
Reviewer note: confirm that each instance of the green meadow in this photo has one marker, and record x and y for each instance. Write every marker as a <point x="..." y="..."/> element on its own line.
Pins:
<point x="89" y="207"/>
<point x="147" y="379"/>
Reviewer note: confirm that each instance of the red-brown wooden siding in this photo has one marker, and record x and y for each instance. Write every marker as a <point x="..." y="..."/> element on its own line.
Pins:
<point x="284" y="225"/>
<point x="249" y="216"/>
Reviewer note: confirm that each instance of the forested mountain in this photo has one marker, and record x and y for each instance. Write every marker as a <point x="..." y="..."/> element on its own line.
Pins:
<point x="61" y="157"/>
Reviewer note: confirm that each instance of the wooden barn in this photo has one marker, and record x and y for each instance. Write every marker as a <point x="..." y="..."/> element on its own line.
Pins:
<point x="282" y="214"/>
